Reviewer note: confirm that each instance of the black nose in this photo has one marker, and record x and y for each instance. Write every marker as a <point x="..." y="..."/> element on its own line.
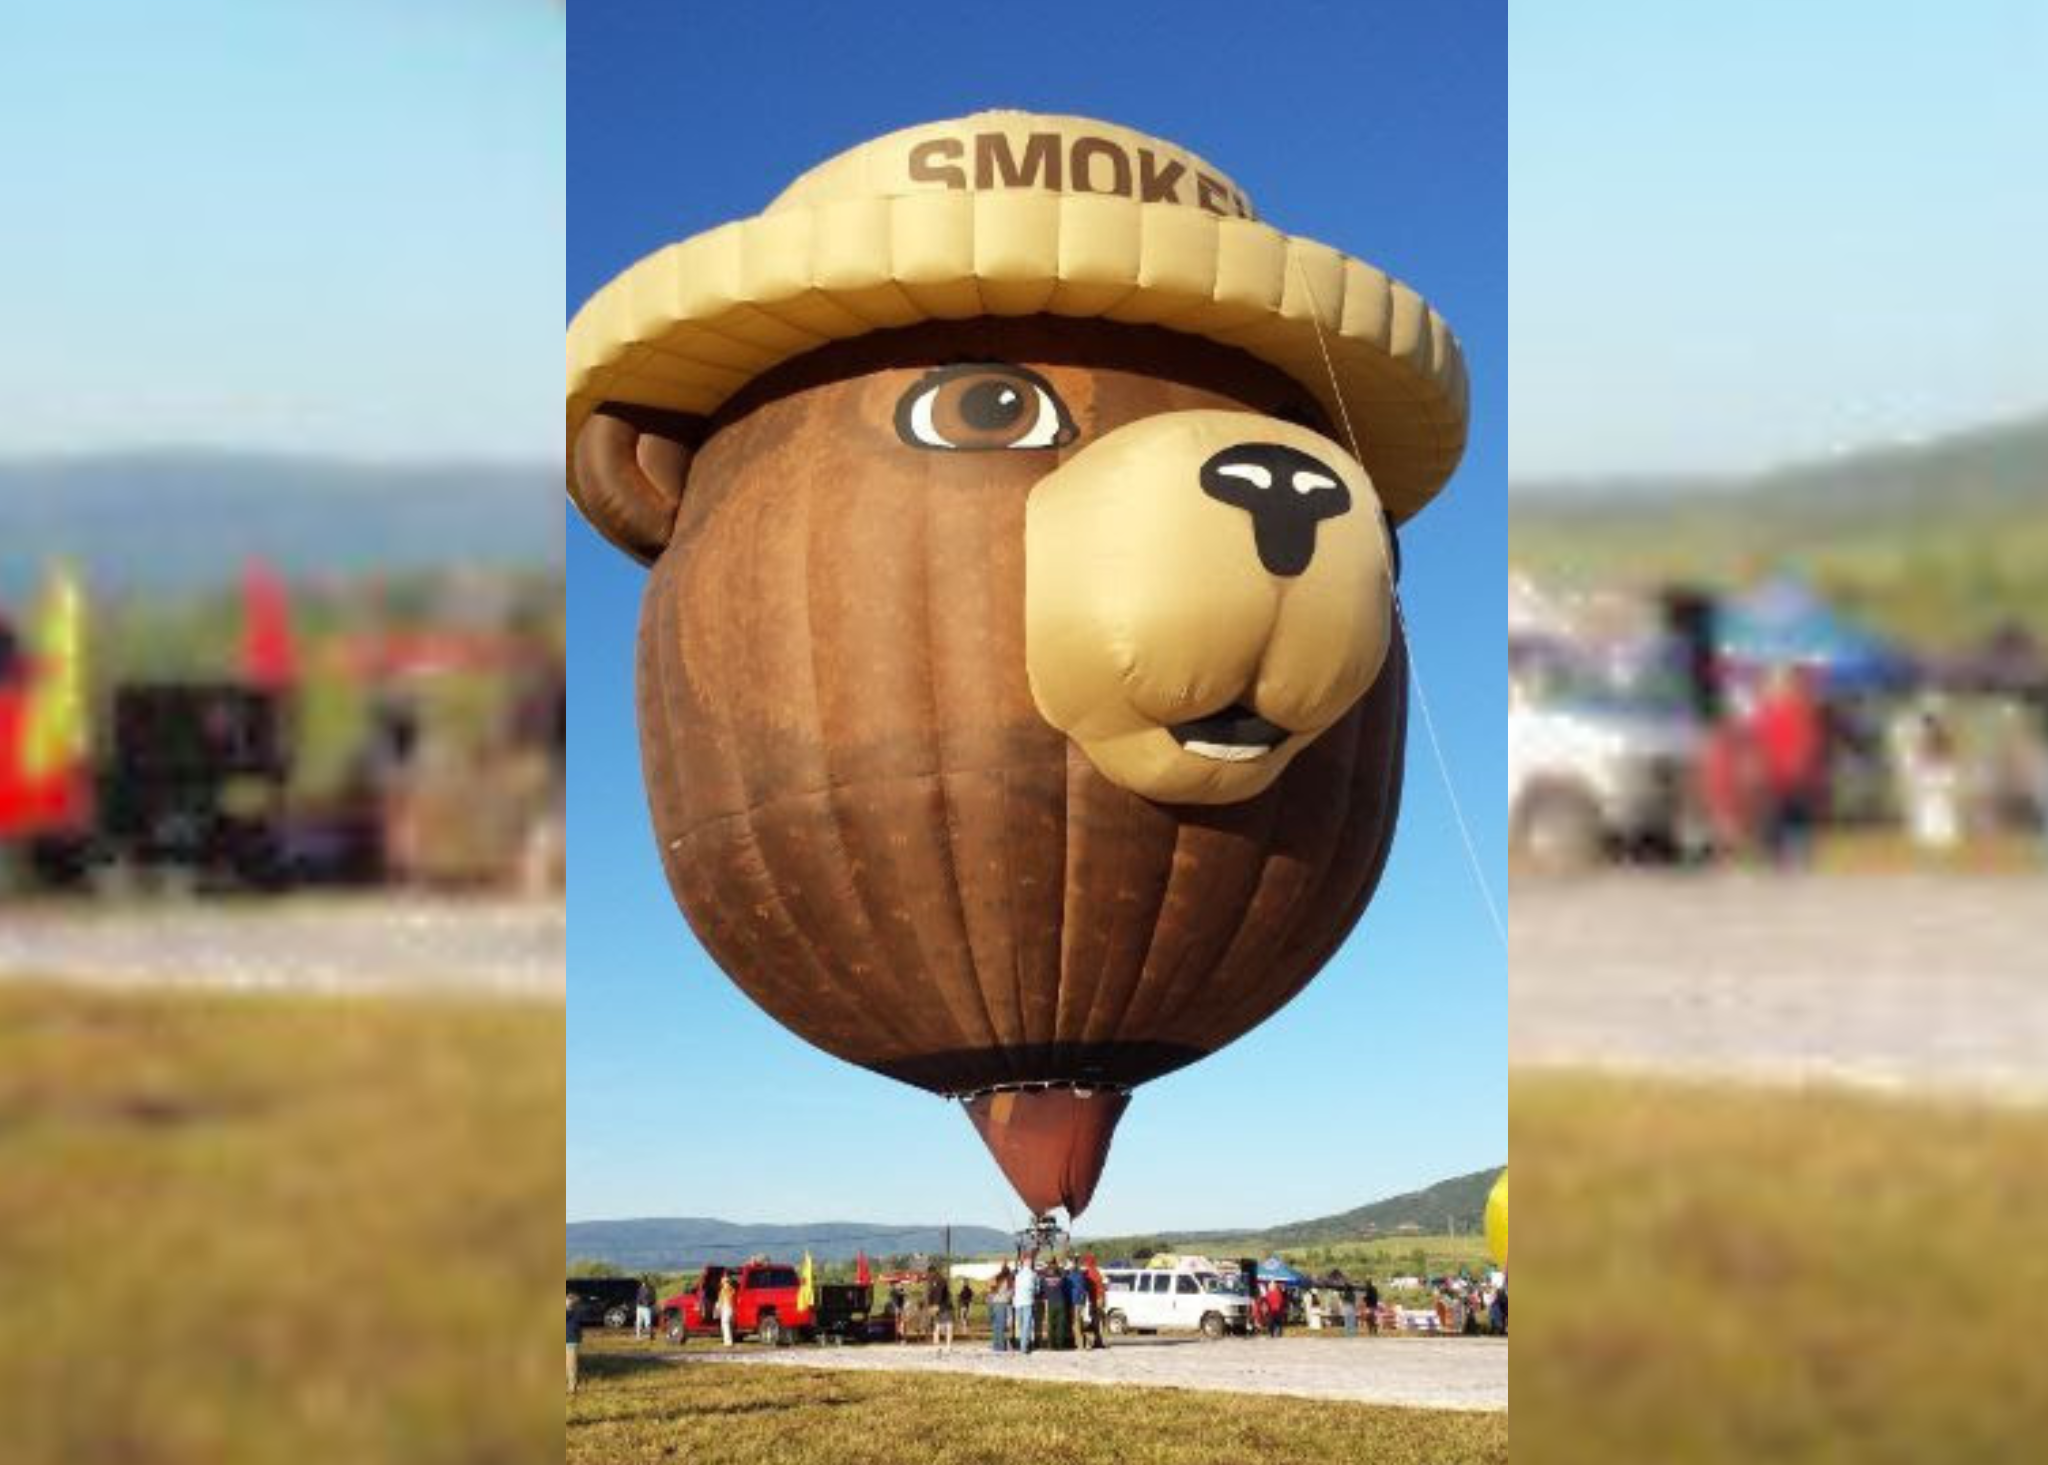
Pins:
<point x="1286" y="492"/>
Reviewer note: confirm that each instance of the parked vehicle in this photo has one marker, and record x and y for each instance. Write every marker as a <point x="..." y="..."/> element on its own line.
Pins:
<point x="766" y="1307"/>
<point x="604" y="1302"/>
<point x="1163" y="1299"/>
<point x="1598" y="764"/>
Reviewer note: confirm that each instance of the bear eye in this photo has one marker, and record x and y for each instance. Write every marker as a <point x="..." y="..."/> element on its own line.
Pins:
<point x="981" y="407"/>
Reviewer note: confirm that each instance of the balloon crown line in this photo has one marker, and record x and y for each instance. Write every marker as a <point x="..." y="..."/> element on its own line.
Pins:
<point x="1041" y="1086"/>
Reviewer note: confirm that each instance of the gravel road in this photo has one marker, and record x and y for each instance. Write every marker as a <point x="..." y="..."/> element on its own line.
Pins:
<point x="1911" y="982"/>
<point x="373" y="944"/>
<point x="1424" y="1373"/>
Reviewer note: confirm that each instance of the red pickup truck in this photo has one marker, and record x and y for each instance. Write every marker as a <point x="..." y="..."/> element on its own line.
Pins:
<point x="765" y="1307"/>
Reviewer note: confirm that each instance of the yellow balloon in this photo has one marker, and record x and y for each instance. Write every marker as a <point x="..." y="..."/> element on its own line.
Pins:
<point x="1497" y="1220"/>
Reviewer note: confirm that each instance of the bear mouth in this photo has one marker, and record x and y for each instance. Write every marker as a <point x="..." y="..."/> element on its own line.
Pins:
<point x="1235" y="735"/>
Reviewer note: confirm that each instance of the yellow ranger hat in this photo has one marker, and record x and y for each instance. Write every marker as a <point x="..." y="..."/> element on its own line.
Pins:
<point x="1014" y="214"/>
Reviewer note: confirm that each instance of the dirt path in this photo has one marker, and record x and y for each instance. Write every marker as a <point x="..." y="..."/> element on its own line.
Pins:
<point x="377" y="944"/>
<point x="1424" y="1373"/>
<point x="1910" y="982"/>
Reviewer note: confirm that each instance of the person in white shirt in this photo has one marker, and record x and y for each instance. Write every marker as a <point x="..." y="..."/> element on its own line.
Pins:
<point x="1026" y="1303"/>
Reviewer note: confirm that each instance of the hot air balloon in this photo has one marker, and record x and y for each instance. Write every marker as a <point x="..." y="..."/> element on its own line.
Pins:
<point x="1497" y="1219"/>
<point x="1021" y="701"/>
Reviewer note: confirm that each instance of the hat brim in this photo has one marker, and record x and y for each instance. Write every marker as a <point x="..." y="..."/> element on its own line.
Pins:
<point x="687" y="327"/>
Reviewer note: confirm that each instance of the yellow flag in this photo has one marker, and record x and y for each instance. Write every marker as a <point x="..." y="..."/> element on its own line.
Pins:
<point x="805" y="1298"/>
<point x="55" y="738"/>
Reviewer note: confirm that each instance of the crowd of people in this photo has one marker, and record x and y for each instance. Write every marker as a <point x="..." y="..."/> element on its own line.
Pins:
<point x="1775" y="766"/>
<point x="1051" y="1303"/>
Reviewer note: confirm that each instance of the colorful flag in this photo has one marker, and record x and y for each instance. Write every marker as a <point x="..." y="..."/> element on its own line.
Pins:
<point x="270" y="656"/>
<point x="55" y="736"/>
<point x="860" y="1270"/>
<point x="806" y="1298"/>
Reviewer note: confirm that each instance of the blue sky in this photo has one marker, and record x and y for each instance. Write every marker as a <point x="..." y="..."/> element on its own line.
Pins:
<point x="1380" y="129"/>
<point x="1744" y="232"/>
<point x="329" y="226"/>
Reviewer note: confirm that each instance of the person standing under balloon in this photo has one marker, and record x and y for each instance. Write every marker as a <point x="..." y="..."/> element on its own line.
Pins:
<point x="999" y="1311"/>
<point x="1791" y="738"/>
<point x="1058" y="1317"/>
<point x="1276" y="1309"/>
<point x="1098" y="1297"/>
<point x="938" y="1301"/>
<point x="643" y="1311"/>
<point x="1076" y="1287"/>
<point x="1027" y="1299"/>
<point x="575" y="1342"/>
<point x="728" y="1299"/>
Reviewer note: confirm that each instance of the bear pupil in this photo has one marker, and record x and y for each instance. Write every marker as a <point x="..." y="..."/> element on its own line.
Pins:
<point x="991" y="405"/>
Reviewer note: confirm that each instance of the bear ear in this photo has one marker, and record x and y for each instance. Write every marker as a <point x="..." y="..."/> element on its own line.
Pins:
<point x="627" y="474"/>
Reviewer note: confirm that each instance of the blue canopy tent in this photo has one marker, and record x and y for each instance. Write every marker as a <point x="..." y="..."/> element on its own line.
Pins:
<point x="1272" y="1269"/>
<point x="1784" y="622"/>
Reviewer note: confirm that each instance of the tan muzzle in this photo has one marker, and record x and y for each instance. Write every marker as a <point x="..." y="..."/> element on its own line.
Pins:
<point x="1205" y="593"/>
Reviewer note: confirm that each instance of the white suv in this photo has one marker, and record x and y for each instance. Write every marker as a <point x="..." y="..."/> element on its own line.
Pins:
<point x="1595" y="764"/>
<point x="1154" y="1299"/>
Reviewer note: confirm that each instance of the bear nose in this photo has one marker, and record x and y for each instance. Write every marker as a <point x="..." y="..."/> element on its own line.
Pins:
<point x="1286" y="492"/>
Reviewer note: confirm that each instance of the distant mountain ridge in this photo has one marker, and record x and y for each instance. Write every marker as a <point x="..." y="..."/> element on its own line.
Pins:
<point x="1457" y="1204"/>
<point x="1938" y="543"/>
<point x="2000" y="462"/>
<point x="187" y="519"/>
<point x="676" y="1244"/>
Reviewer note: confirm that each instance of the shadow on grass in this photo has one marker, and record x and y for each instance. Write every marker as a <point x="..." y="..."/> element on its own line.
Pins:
<point x="727" y="1409"/>
<point x="594" y="1366"/>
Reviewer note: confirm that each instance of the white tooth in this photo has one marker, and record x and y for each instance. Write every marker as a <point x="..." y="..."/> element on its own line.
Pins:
<point x="1252" y="473"/>
<point x="1307" y="482"/>
<point x="1227" y="752"/>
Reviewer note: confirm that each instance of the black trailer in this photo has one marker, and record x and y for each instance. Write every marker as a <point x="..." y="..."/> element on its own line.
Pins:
<point x="195" y="781"/>
<point x="843" y="1315"/>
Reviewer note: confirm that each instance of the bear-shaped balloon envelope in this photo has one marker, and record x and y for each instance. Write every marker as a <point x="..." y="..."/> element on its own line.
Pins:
<point x="1020" y="693"/>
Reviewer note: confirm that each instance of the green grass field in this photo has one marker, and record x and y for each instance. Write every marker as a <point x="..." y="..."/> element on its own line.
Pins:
<point x="1719" y="1274"/>
<point x="635" y="1408"/>
<point x="261" y="1229"/>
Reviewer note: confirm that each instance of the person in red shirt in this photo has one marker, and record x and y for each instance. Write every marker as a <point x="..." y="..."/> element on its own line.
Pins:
<point x="1789" y="730"/>
<point x="1276" y="1308"/>
<point x="1097" y="1296"/>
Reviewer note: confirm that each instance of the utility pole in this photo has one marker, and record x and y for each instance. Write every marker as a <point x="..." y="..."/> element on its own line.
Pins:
<point x="949" y="1244"/>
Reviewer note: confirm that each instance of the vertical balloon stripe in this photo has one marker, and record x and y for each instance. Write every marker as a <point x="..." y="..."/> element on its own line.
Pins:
<point x="861" y="697"/>
<point x="955" y="614"/>
<point x="775" y="924"/>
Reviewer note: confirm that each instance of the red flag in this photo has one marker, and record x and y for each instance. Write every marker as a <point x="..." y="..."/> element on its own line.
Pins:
<point x="860" y="1270"/>
<point x="270" y="657"/>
